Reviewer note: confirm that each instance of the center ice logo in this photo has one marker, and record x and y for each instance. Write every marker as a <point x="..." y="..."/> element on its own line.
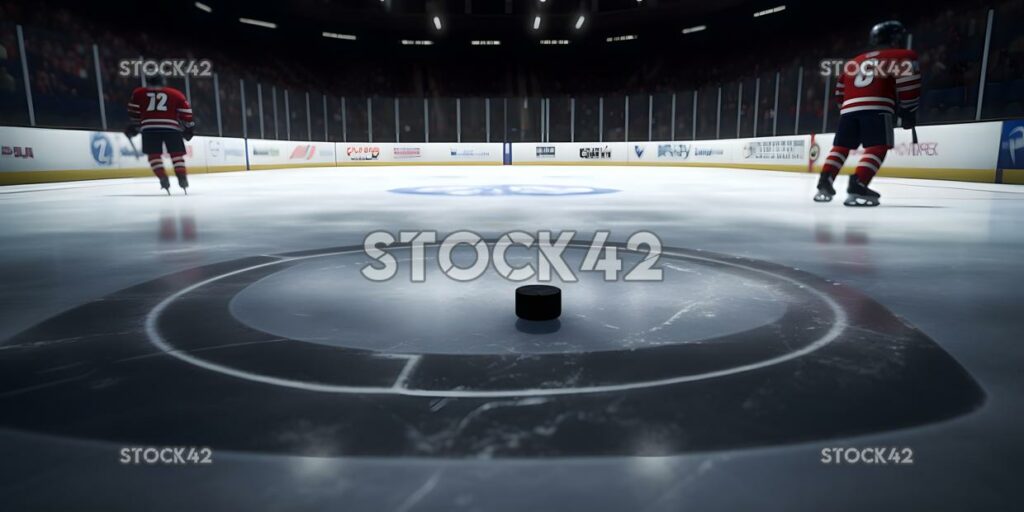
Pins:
<point x="102" y="149"/>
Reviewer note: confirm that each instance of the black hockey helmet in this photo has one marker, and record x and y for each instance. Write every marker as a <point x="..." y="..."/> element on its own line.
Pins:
<point x="156" y="80"/>
<point x="891" y="34"/>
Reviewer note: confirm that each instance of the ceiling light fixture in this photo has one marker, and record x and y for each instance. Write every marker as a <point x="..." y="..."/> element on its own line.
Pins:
<point x="258" y="23"/>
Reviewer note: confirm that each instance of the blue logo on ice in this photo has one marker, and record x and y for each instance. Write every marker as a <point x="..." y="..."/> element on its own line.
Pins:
<point x="102" y="149"/>
<point x="505" y="190"/>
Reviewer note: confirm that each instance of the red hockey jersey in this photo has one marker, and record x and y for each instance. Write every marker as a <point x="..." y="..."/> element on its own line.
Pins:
<point x="159" y="108"/>
<point x="881" y="80"/>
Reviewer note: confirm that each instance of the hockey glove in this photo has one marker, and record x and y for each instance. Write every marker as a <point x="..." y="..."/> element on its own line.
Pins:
<point x="131" y="131"/>
<point x="188" y="133"/>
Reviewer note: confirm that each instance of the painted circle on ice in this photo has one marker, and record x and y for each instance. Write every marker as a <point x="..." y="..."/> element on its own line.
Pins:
<point x="760" y="353"/>
<point x="167" y="363"/>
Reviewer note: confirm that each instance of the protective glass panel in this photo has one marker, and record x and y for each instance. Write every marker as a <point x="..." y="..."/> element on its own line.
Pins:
<point x="63" y="76"/>
<point x="614" y="118"/>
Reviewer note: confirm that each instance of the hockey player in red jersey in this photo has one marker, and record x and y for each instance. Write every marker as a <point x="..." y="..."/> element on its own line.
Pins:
<point x="164" y="117"/>
<point x="886" y="83"/>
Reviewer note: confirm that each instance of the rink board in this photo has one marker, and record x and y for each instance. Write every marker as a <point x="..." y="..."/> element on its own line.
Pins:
<point x="41" y="155"/>
<point x="964" y="152"/>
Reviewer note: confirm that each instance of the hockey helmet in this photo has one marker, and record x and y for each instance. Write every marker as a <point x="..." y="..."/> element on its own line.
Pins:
<point x="156" y="80"/>
<point x="889" y="34"/>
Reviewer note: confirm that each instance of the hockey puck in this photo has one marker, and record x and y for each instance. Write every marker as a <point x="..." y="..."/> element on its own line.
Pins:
<point x="538" y="302"/>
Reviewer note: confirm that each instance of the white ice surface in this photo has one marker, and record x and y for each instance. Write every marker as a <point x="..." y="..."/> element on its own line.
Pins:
<point x="946" y="256"/>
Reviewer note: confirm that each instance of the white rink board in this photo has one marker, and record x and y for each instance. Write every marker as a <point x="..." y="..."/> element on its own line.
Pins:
<point x="218" y="152"/>
<point x="54" y="150"/>
<point x="952" y="146"/>
<point x="63" y="150"/>
<point x="966" y="151"/>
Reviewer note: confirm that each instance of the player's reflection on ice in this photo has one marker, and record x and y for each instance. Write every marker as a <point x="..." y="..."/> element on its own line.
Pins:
<point x="177" y="226"/>
<point x="848" y="247"/>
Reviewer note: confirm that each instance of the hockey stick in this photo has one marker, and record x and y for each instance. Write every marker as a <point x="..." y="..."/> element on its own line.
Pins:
<point x="135" y="150"/>
<point x="913" y="135"/>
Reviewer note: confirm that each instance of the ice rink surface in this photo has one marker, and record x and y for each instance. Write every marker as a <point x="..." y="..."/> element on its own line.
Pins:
<point x="943" y="256"/>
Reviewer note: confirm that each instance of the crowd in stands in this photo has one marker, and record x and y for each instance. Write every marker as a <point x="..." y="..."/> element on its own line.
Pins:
<point x="61" y="52"/>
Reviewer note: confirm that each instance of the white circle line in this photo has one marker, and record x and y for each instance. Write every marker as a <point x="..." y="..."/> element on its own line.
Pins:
<point x="838" y="326"/>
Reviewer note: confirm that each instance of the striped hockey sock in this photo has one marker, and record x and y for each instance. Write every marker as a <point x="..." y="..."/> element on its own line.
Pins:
<point x="179" y="164"/>
<point x="835" y="160"/>
<point x="870" y="163"/>
<point x="156" y="162"/>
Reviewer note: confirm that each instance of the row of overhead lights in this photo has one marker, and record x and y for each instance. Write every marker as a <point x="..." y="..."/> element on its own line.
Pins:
<point x="536" y="26"/>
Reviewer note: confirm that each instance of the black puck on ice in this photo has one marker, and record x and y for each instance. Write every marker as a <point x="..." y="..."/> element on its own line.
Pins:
<point x="538" y="302"/>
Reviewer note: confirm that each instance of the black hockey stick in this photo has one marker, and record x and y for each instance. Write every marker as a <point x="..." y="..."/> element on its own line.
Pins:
<point x="913" y="135"/>
<point x="135" y="151"/>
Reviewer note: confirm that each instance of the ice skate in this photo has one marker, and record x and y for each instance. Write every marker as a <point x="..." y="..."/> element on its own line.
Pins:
<point x="860" y="195"/>
<point x="825" y="189"/>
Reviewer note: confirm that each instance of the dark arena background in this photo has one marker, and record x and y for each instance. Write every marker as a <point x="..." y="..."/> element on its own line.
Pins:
<point x="511" y="255"/>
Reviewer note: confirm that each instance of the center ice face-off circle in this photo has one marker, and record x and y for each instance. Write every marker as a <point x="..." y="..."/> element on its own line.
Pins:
<point x="829" y="363"/>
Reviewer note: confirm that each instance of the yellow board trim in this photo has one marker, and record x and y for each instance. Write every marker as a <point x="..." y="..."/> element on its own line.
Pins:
<point x="29" y="177"/>
<point x="973" y="175"/>
<point x="225" y="168"/>
<point x="584" y="164"/>
<point x="404" y="162"/>
<point x="26" y="177"/>
<point x="1013" y="176"/>
<point x="270" y="167"/>
<point x="263" y="167"/>
<point x="755" y="167"/>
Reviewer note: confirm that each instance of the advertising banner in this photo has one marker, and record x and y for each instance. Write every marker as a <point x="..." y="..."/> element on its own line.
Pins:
<point x="1011" y="152"/>
<point x="588" y="153"/>
<point x="683" y="152"/>
<point x="278" y="154"/>
<point x="419" y="153"/>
